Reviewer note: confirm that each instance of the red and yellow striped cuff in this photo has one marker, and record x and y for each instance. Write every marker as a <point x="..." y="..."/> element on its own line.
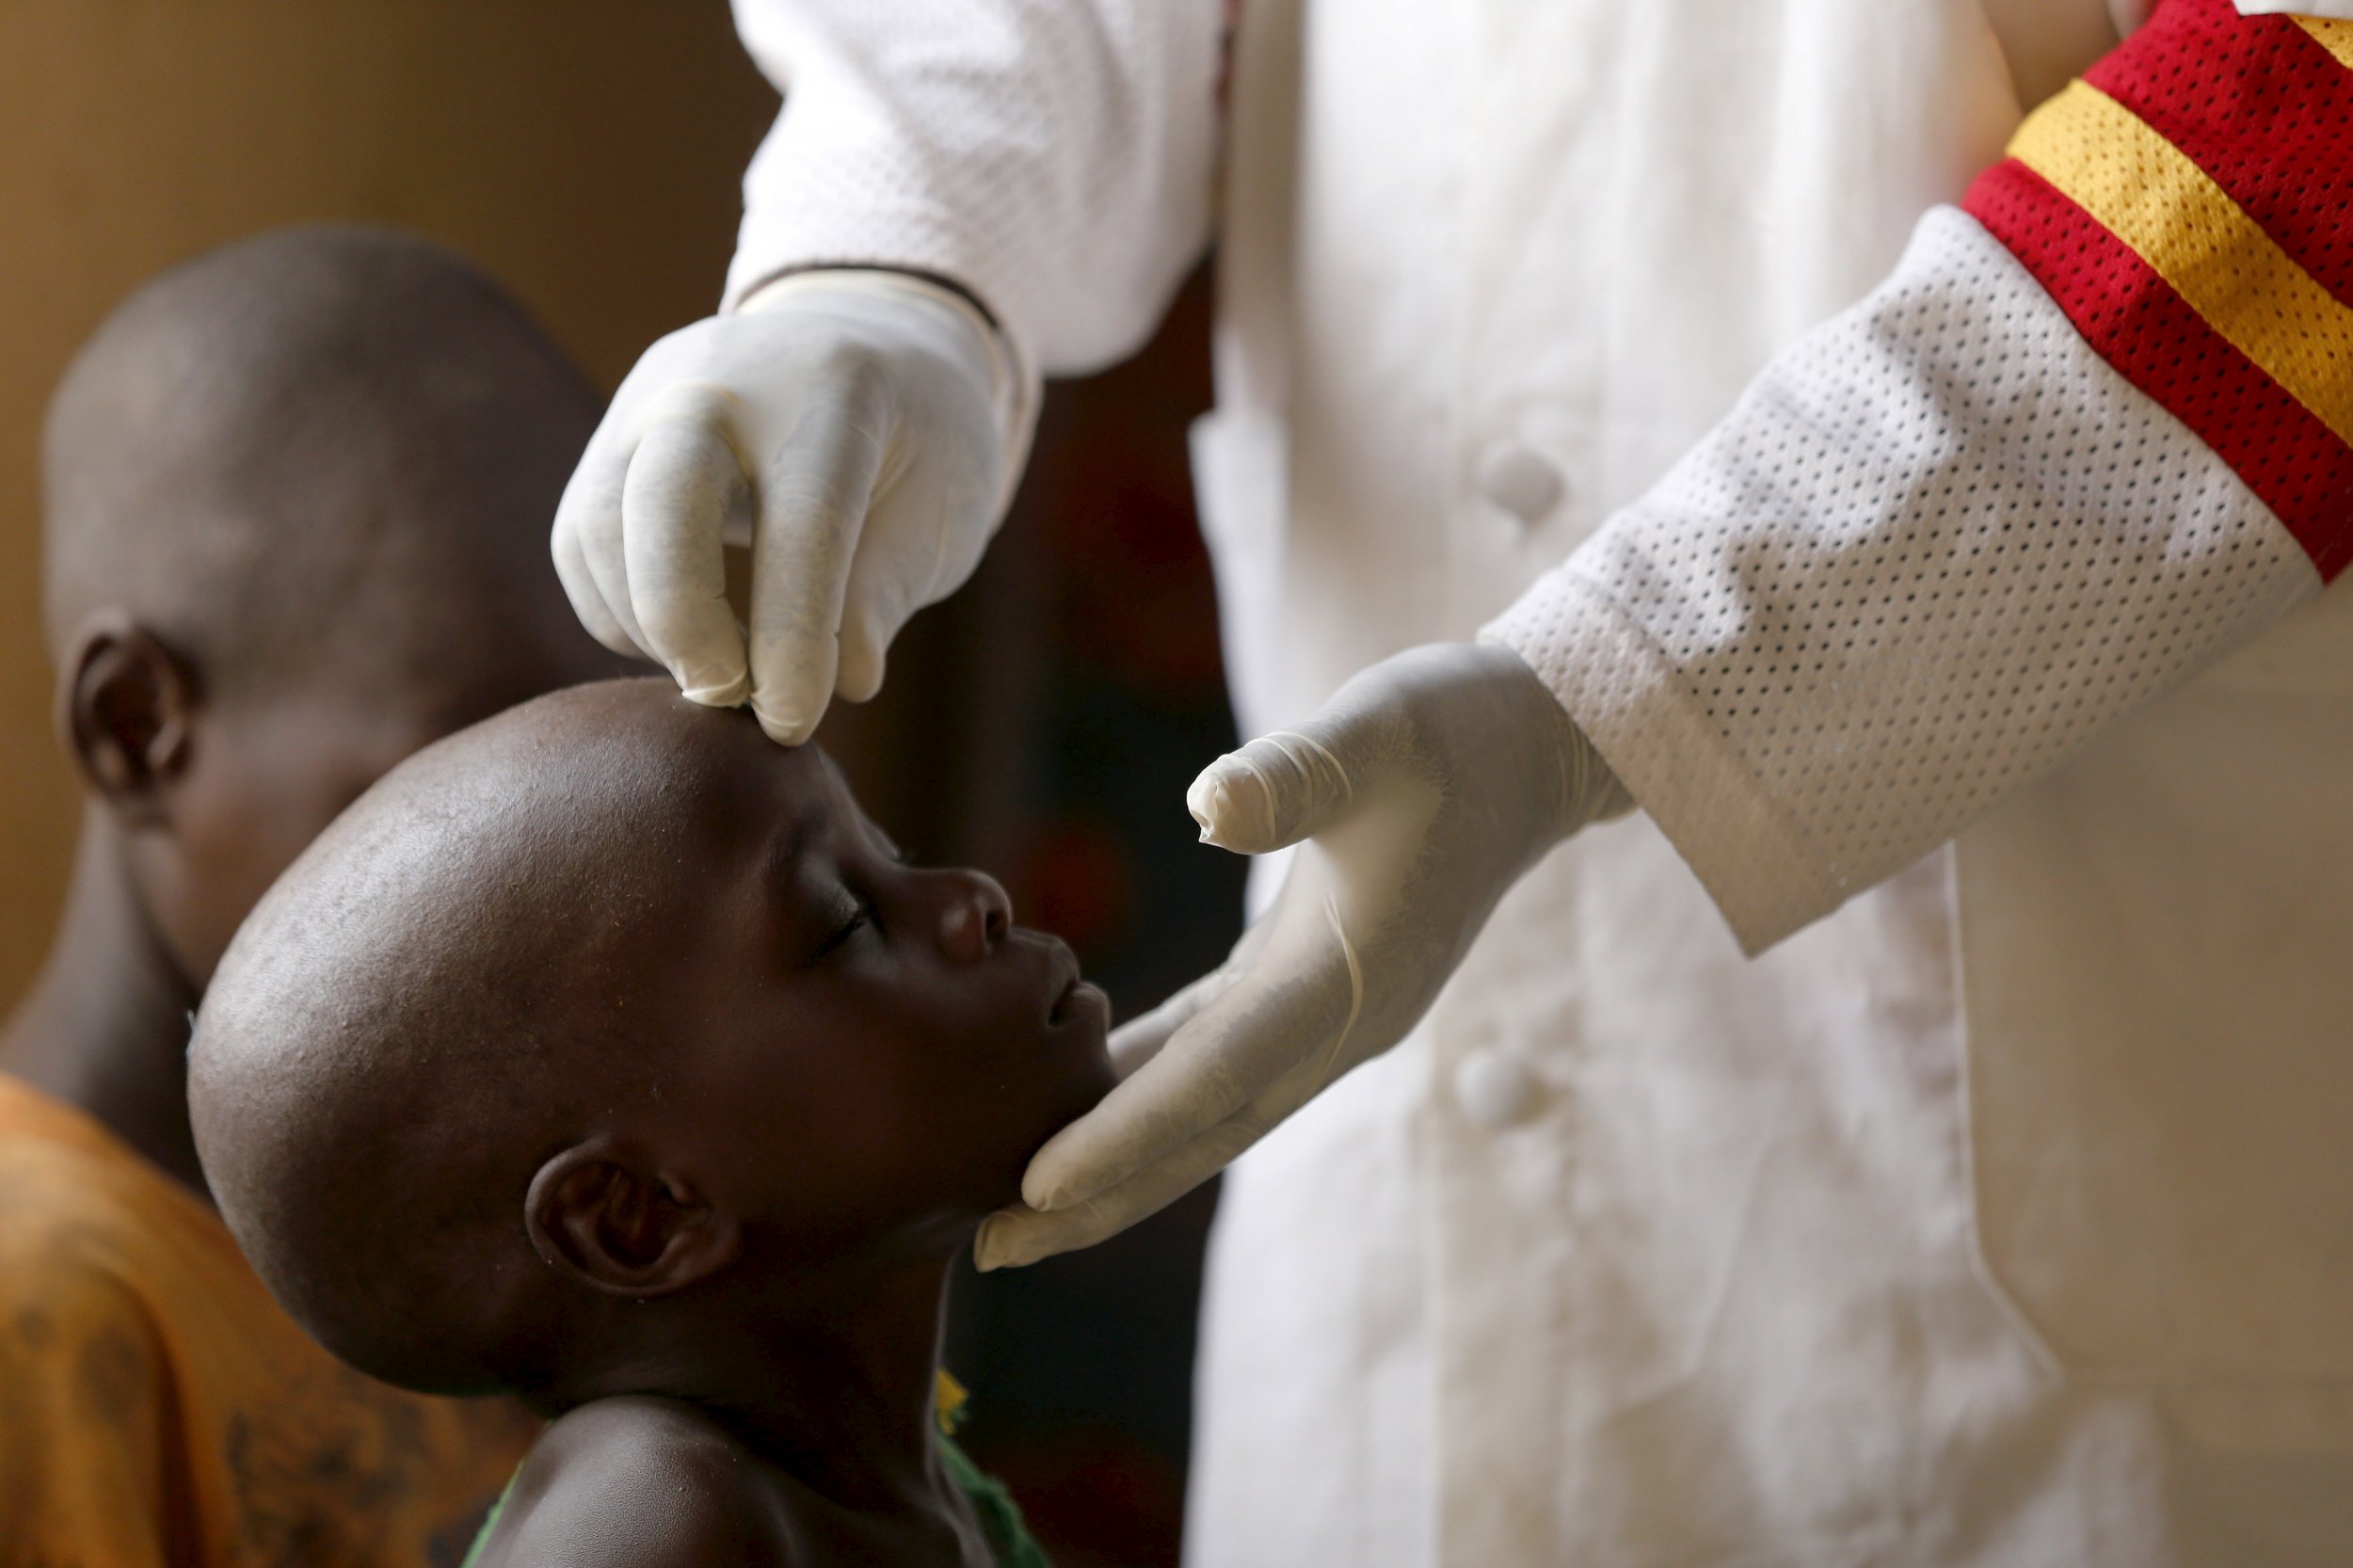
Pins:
<point x="2190" y="205"/>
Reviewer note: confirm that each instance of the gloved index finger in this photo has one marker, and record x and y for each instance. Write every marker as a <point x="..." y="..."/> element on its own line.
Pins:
<point x="812" y="502"/>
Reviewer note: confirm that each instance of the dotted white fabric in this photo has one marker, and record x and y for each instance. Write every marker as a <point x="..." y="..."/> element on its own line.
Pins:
<point x="1052" y="156"/>
<point x="2341" y="10"/>
<point x="1937" y="545"/>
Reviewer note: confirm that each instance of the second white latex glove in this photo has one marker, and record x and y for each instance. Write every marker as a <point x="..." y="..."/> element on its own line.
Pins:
<point x="1422" y="790"/>
<point x="860" y="431"/>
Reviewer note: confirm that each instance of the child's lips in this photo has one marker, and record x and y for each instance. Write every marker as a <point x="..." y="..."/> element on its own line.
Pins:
<point x="1072" y="996"/>
<point x="1076" y="997"/>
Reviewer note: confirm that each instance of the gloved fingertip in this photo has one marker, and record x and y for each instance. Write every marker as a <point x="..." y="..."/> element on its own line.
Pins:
<point x="791" y="686"/>
<point x="994" y="1247"/>
<point x="787" y="726"/>
<point x="1047" y="1192"/>
<point x="1221" y="800"/>
<point x="711" y="694"/>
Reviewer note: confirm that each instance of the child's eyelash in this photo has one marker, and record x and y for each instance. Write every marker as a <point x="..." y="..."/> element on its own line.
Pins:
<point x="860" y="916"/>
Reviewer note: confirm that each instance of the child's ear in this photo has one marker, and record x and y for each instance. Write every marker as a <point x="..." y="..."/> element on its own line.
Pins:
<point x="127" y="709"/>
<point x="607" y="1213"/>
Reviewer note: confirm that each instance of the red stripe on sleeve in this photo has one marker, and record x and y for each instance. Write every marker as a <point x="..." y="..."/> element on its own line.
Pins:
<point x="2264" y="110"/>
<point x="2136" y="322"/>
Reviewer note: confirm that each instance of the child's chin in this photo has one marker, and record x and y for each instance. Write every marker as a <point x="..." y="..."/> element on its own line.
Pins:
<point x="1080" y="1092"/>
<point x="1090" y="1078"/>
<point x="1078" y="1039"/>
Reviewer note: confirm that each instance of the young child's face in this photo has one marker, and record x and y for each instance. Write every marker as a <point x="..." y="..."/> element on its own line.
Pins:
<point x="862" y="1045"/>
<point x="601" y="973"/>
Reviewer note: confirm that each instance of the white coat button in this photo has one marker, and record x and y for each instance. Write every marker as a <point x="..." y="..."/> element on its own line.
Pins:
<point x="1495" y="1090"/>
<point x="1519" y="481"/>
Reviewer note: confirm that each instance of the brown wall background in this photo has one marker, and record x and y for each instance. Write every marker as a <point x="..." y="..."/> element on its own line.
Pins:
<point x="586" y="152"/>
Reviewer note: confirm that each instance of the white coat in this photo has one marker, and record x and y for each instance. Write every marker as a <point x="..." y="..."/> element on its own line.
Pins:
<point x="2001" y="1217"/>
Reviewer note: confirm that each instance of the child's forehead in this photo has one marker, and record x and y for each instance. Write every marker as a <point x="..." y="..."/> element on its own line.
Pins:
<point x="803" y="824"/>
<point x="743" y="794"/>
<point x="628" y="786"/>
<point x="653" y="751"/>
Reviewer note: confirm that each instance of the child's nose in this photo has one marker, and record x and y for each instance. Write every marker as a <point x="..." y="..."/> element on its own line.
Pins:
<point x="973" y="918"/>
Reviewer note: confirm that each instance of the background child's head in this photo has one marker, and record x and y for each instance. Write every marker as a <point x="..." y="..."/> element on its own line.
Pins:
<point x="593" y="1026"/>
<point x="296" y="495"/>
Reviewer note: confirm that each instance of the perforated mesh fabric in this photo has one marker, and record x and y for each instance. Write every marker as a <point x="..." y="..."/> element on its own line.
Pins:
<point x="2137" y="323"/>
<point x="2141" y="188"/>
<point x="1052" y="156"/>
<point x="2296" y="7"/>
<point x="1936" y="547"/>
<point x="2264" y="109"/>
<point x="2190" y="205"/>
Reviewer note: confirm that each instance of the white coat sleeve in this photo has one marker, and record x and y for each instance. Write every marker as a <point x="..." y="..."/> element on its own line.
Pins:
<point x="2092" y="434"/>
<point x="1051" y="157"/>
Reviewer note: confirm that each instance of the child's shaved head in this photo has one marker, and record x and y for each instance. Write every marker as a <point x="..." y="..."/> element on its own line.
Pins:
<point x="274" y="454"/>
<point x="604" y="1004"/>
<point x="433" y="999"/>
<point x="297" y="499"/>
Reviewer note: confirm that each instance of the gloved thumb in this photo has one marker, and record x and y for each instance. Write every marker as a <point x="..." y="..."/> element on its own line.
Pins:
<point x="1281" y="788"/>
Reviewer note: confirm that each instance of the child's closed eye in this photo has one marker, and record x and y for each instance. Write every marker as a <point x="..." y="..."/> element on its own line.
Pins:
<point x="849" y="916"/>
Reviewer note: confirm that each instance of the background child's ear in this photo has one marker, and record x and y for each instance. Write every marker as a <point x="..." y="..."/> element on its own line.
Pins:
<point x="606" y="1212"/>
<point x="126" y="711"/>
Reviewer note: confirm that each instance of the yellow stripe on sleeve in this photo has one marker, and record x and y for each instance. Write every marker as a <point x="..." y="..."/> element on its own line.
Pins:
<point x="2335" y="36"/>
<point x="2147" y="192"/>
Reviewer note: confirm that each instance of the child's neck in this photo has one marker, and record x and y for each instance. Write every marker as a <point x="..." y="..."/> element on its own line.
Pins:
<point x="841" y="1393"/>
<point x="105" y="1025"/>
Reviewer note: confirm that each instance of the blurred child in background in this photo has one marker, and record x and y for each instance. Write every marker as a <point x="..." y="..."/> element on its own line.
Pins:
<point x="297" y="494"/>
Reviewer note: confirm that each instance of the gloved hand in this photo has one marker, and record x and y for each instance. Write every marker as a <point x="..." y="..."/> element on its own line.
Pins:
<point x="1423" y="789"/>
<point x="859" y="430"/>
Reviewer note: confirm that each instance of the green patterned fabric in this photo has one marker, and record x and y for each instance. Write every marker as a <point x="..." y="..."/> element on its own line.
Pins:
<point x="489" y="1523"/>
<point x="1001" y="1516"/>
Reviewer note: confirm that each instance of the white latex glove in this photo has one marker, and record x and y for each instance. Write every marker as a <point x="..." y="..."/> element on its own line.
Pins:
<point x="861" y="431"/>
<point x="1423" y="789"/>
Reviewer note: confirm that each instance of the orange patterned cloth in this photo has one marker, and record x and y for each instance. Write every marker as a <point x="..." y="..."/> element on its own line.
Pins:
<point x="156" y="1406"/>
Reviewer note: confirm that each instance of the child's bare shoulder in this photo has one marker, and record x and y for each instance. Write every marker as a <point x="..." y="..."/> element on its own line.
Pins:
<point x="641" y="1483"/>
